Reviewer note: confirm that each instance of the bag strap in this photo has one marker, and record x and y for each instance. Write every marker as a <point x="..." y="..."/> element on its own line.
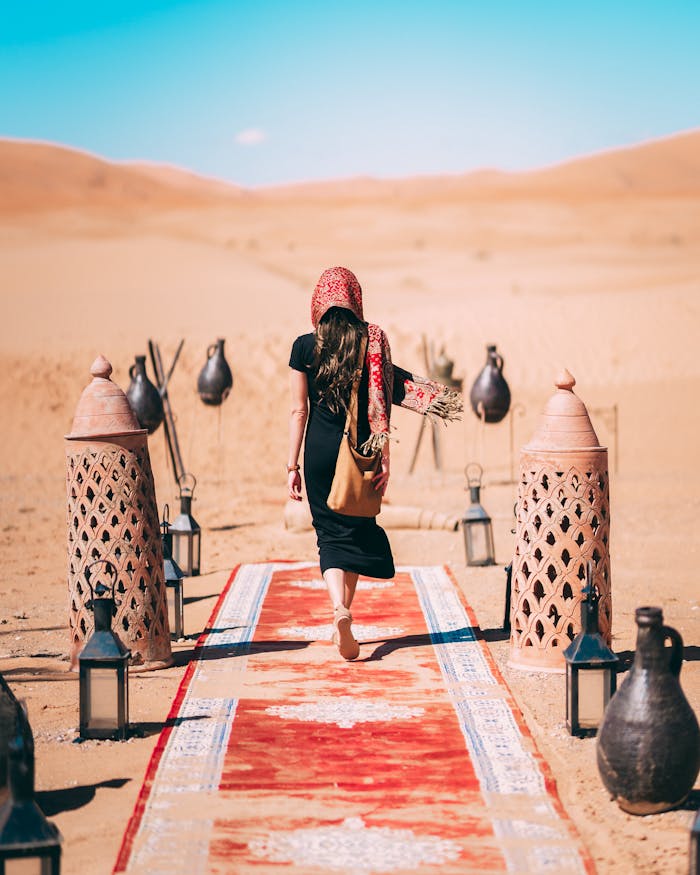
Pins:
<point x="351" y="418"/>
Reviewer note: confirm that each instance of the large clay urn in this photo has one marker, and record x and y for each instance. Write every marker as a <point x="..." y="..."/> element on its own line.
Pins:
<point x="215" y="379"/>
<point x="648" y="745"/>
<point x="490" y="395"/>
<point x="562" y="523"/>
<point x="112" y="514"/>
<point x="144" y="397"/>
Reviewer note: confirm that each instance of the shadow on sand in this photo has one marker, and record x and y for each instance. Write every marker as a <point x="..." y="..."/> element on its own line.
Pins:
<point x="230" y="527"/>
<point x="26" y="675"/>
<point x="495" y="634"/>
<point x="23" y="630"/>
<point x="155" y="727"/>
<point x="193" y="599"/>
<point x="691" y="653"/>
<point x="53" y="802"/>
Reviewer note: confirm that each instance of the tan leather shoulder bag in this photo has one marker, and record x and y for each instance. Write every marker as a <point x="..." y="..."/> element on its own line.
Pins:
<point x="352" y="491"/>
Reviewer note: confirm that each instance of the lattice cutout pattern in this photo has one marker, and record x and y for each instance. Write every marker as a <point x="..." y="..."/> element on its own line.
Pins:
<point x="112" y="514"/>
<point x="563" y="520"/>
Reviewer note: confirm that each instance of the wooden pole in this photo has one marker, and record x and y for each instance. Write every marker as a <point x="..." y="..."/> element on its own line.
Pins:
<point x="168" y="418"/>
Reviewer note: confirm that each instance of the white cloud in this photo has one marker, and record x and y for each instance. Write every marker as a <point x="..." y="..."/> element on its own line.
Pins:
<point x="250" y="137"/>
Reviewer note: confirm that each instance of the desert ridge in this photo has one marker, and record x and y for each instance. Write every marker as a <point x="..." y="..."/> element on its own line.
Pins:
<point x="40" y="177"/>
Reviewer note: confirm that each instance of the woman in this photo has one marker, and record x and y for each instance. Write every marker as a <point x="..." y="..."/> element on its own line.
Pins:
<point x="322" y="365"/>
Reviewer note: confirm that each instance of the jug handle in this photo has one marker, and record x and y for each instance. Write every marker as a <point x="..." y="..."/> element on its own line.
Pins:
<point x="211" y="349"/>
<point x="131" y="371"/>
<point x="499" y="362"/>
<point x="676" y="658"/>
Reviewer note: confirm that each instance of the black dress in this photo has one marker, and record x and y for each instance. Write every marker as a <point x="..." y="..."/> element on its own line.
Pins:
<point x="352" y="543"/>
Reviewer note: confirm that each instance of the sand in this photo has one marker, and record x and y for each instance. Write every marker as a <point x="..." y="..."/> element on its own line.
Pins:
<point x="594" y="265"/>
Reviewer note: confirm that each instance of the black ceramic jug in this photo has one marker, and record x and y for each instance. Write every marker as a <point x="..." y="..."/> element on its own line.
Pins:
<point x="12" y="716"/>
<point x="490" y="390"/>
<point x="215" y="379"/>
<point x="143" y="396"/>
<point x="649" y="741"/>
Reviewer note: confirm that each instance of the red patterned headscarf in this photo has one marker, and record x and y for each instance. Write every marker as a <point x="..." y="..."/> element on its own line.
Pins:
<point x="337" y="287"/>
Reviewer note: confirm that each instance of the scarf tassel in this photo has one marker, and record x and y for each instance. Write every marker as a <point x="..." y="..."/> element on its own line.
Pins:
<point x="374" y="444"/>
<point x="448" y="406"/>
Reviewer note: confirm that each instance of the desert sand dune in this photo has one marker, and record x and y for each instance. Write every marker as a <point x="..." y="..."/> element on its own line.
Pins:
<point x="39" y="177"/>
<point x="669" y="166"/>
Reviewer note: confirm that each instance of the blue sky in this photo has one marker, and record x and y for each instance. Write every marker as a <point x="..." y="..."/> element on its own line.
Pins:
<point x="270" y="92"/>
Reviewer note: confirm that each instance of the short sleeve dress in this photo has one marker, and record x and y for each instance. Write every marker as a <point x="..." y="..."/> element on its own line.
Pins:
<point x="352" y="543"/>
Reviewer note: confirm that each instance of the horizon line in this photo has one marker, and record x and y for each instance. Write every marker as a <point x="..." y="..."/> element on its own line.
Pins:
<point x="266" y="187"/>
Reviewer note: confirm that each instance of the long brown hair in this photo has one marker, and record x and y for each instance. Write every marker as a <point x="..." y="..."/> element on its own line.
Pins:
<point x="338" y="336"/>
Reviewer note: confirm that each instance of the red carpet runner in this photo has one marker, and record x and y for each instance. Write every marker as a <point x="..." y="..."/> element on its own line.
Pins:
<point x="280" y="756"/>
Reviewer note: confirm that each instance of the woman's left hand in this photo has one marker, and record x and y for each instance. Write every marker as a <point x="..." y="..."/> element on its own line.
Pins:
<point x="294" y="485"/>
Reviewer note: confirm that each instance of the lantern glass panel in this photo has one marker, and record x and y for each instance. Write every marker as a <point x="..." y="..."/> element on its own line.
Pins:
<point x="102" y="698"/>
<point x="593" y="696"/>
<point x="170" y="594"/>
<point x="479" y="542"/>
<point x="27" y="866"/>
<point x="176" y="613"/>
<point x="182" y="550"/>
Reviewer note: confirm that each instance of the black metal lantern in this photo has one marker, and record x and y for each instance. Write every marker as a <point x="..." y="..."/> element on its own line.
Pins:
<point x="173" y="582"/>
<point x="104" y="669"/>
<point x="694" y="868"/>
<point x="186" y="532"/>
<point x="591" y="669"/>
<point x="29" y="844"/>
<point x="478" y="533"/>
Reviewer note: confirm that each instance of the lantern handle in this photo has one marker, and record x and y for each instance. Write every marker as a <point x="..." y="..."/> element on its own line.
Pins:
<point x="182" y="482"/>
<point x="112" y="573"/>
<point x="473" y="479"/>
<point x="165" y="522"/>
<point x="590" y="590"/>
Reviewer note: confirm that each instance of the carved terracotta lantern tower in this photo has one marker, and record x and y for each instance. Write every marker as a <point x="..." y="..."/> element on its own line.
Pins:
<point x="112" y="514"/>
<point x="563" y="522"/>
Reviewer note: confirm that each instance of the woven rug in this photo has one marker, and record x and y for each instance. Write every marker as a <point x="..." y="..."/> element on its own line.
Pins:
<point x="280" y="756"/>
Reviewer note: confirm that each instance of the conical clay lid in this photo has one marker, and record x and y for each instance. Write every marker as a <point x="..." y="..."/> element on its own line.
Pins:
<point x="103" y="408"/>
<point x="565" y="424"/>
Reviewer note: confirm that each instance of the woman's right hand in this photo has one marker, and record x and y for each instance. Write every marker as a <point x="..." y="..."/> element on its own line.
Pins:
<point x="381" y="478"/>
<point x="294" y="485"/>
